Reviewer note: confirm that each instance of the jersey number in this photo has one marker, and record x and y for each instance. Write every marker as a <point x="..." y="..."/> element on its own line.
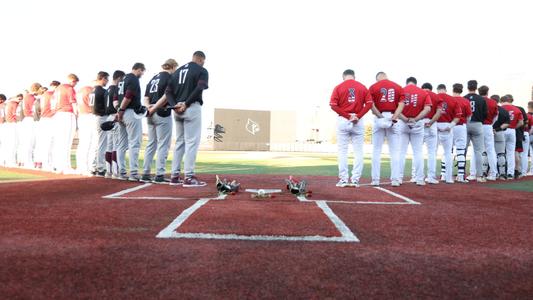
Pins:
<point x="351" y="97"/>
<point x="121" y="88"/>
<point x="183" y="74"/>
<point x="387" y="95"/>
<point x="411" y="99"/>
<point x="91" y="99"/>
<point x="154" y="86"/>
<point x="473" y="106"/>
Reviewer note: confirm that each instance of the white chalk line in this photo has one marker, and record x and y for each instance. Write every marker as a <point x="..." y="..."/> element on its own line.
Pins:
<point x="267" y="191"/>
<point x="127" y="191"/>
<point x="170" y="231"/>
<point x="406" y="200"/>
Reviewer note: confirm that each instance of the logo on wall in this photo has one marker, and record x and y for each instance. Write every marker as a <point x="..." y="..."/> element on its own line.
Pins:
<point x="218" y="133"/>
<point x="252" y="127"/>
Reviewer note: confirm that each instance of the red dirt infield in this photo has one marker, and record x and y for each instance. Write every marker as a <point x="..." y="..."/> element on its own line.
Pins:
<point x="60" y="239"/>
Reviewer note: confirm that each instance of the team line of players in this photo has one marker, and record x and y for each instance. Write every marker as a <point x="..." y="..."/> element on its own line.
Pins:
<point x="37" y="128"/>
<point x="498" y="130"/>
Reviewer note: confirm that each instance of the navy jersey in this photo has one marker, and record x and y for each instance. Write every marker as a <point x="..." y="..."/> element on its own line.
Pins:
<point x="478" y="106"/>
<point x="503" y="118"/>
<point x="112" y="93"/>
<point x="155" y="89"/>
<point x="130" y="88"/>
<point x="99" y="94"/>
<point x="186" y="84"/>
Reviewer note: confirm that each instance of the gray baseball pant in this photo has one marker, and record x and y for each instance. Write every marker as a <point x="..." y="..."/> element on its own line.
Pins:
<point x="102" y="143"/>
<point x="474" y="132"/>
<point x="188" y="134"/>
<point x="159" y="136"/>
<point x="130" y="135"/>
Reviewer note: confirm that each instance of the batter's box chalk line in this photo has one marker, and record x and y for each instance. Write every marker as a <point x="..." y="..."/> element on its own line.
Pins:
<point x="405" y="200"/>
<point x="347" y="236"/>
<point x="122" y="195"/>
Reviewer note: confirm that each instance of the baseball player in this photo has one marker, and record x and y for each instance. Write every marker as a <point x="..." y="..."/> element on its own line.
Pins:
<point x="86" y="131"/>
<point x="502" y="123"/>
<point x="112" y="135"/>
<point x="351" y="101"/>
<point x="184" y="93"/>
<point x="100" y="97"/>
<point x="430" y="135"/>
<point x="460" y="132"/>
<point x="474" y="128"/>
<point x="530" y="119"/>
<point x="65" y="105"/>
<point x="43" y="148"/>
<point x="388" y="104"/>
<point x="451" y="114"/>
<point x="516" y="121"/>
<point x="27" y="134"/>
<point x="3" y="99"/>
<point x="11" y="136"/>
<point x="130" y="127"/>
<point x="159" y="124"/>
<point x="417" y="106"/>
<point x="488" y="137"/>
<point x="522" y="145"/>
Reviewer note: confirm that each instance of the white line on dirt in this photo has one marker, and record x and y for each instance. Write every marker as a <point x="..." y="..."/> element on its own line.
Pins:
<point x="339" y="224"/>
<point x="169" y="230"/>
<point x="305" y="238"/>
<point x="126" y="191"/>
<point x="408" y="200"/>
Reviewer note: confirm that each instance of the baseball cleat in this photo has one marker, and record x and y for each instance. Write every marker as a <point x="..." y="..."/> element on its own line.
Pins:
<point x="108" y="175"/>
<point x="192" y="181"/>
<point x="100" y="174"/>
<point x="355" y="183"/>
<point x="146" y="178"/>
<point x="395" y="183"/>
<point x="450" y="182"/>
<point x="432" y="181"/>
<point x="176" y="180"/>
<point x="421" y="183"/>
<point x="491" y="178"/>
<point x="461" y="179"/>
<point x="502" y="177"/>
<point x="342" y="183"/>
<point x="374" y="183"/>
<point x="122" y="177"/>
<point x="471" y="177"/>
<point x="134" y="178"/>
<point x="412" y="180"/>
<point x="481" y="180"/>
<point x="160" y="179"/>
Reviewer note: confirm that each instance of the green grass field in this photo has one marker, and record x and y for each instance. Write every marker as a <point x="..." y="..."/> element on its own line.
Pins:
<point x="9" y="176"/>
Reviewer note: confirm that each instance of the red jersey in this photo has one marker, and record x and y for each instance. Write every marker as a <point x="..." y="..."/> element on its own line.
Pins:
<point x="450" y="109"/>
<point x="415" y="100"/>
<point x="11" y="111"/>
<point x="492" y="110"/>
<point x="466" y="109"/>
<point x="515" y="115"/>
<point x="64" y="97"/>
<point x="530" y="119"/>
<point x="28" y="101"/>
<point x="85" y="101"/>
<point x="386" y="95"/>
<point x="46" y="105"/>
<point x="436" y="103"/>
<point x="350" y="97"/>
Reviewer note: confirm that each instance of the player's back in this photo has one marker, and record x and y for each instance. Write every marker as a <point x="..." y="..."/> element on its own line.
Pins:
<point x="112" y="93"/>
<point x="492" y="110"/>
<point x="415" y="100"/>
<point x="386" y="95"/>
<point x="514" y="115"/>
<point x="155" y="89"/>
<point x="86" y="100"/>
<point x="185" y="80"/>
<point x="64" y="96"/>
<point x="477" y="106"/>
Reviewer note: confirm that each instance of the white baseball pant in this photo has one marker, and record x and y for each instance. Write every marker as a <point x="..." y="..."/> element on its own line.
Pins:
<point x="392" y="134"/>
<point x="27" y="141"/>
<point x="510" y="147"/>
<point x="349" y="133"/>
<point x="44" y="140"/>
<point x="459" y="141"/>
<point x="431" y="141"/>
<point x="65" y="126"/>
<point x="524" y="154"/>
<point x="445" y="136"/>
<point x="102" y="141"/>
<point x="499" y="147"/>
<point x="412" y="134"/>
<point x="88" y="139"/>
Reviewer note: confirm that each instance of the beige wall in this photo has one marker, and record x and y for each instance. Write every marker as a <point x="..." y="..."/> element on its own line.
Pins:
<point x="247" y="130"/>
<point x="283" y="125"/>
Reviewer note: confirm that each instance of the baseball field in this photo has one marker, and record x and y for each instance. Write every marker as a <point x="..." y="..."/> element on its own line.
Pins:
<point x="65" y="237"/>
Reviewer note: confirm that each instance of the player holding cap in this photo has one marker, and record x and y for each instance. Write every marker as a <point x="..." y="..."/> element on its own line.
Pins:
<point x="388" y="104"/>
<point x="516" y="121"/>
<point x="65" y="104"/>
<point x="474" y="128"/>
<point x="184" y="94"/>
<point x="488" y="137"/>
<point x="451" y="113"/>
<point x="351" y="101"/>
<point x="130" y="127"/>
<point x="431" y="134"/>
<point x="43" y="147"/>
<point x="500" y="126"/>
<point x="100" y="97"/>
<point x="159" y="124"/>
<point x="417" y="106"/>
<point x="112" y="135"/>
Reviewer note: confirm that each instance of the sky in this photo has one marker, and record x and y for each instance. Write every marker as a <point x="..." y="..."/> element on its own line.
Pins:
<point x="272" y="55"/>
